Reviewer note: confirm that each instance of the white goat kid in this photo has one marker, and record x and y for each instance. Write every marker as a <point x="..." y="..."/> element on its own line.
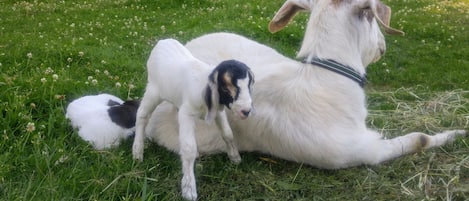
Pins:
<point x="304" y="112"/>
<point x="195" y="88"/>
<point x="102" y="120"/>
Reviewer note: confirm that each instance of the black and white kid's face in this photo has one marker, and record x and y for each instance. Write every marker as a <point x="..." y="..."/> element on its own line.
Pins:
<point x="235" y="82"/>
<point x="242" y="104"/>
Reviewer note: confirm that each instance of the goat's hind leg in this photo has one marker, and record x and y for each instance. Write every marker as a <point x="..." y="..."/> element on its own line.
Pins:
<point x="227" y="134"/>
<point x="148" y="104"/>
<point x="414" y="142"/>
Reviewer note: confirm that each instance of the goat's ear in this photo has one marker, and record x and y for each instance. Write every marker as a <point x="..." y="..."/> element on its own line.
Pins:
<point x="253" y="80"/>
<point x="284" y="15"/>
<point x="211" y="97"/>
<point x="382" y="13"/>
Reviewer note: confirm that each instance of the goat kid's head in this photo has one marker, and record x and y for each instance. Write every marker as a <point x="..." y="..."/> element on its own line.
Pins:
<point x="229" y="84"/>
<point x="335" y="23"/>
<point x="123" y="114"/>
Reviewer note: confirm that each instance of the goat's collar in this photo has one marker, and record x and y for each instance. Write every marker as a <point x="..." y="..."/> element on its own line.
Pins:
<point x="339" y="68"/>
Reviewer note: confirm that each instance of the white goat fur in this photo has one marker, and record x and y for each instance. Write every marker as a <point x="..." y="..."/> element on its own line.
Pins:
<point x="176" y="76"/>
<point x="304" y="113"/>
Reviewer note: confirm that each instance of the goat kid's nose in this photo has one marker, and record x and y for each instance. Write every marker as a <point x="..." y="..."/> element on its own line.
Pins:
<point x="246" y="112"/>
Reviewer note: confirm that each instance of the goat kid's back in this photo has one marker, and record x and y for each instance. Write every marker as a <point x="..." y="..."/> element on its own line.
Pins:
<point x="168" y="61"/>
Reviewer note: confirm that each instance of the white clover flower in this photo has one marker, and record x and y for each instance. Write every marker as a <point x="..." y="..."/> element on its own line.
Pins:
<point x="59" y="97"/>
<point x="106" y="72"/>
<point x="69" y="60"/>
<point x="49" y="71"/>
<point x="131" y="86"/>
<point x="29" y="55"/>
<point x="30" y="127"/>
<point x="43" y="80"/>
<point x="103" y="62"/>
<point x="118" y="85"/>
<point x="90" y="78"/>
<point x="94" y="82"/>
<point x="62" y="159"/>
<point x="55" y="77"/>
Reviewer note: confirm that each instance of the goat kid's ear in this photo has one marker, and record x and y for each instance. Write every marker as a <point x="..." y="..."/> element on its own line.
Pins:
<point x="382" y="13"/>
<point x="211" y="97"/>
<point x="286" y="13"/>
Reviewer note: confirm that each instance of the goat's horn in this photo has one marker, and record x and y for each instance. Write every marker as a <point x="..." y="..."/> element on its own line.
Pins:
<point x="382" y="14"/>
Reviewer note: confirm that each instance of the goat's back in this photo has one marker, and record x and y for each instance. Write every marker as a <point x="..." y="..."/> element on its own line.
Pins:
<point x="214" y="48"/>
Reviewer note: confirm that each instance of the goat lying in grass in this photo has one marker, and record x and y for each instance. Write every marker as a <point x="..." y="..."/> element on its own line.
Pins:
<point x="174" y="75"/>
<point x="306" y="112"/>
<point x="102" y="120"/>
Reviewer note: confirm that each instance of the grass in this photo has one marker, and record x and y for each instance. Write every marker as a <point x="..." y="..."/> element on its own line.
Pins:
<point x="52" y="52"/>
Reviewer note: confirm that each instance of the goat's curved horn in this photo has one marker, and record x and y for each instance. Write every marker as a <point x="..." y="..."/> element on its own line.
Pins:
<point x="286" y="13"/>
<point x="382" y="13"/>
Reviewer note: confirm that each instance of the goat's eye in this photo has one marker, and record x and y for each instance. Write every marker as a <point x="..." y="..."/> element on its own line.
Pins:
<point x="366" y="8"/>
<point x="366" y="13"/>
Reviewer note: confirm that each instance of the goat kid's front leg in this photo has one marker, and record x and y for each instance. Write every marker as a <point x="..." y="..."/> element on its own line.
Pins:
<point x="188" y="154"/>
<point x="227" y="134"/>
<point x="149" y="102"/>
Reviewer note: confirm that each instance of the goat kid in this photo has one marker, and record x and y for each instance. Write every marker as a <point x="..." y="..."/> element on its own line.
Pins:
<point x="195" y="88"/>
<point x="306" y="113"/>
<point x="102" y="120"/>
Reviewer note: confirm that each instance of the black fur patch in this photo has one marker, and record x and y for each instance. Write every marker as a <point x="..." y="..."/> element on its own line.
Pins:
<point x="124" y="115"/>
<point x="208" y="97"/>
<point x="236" y="70"/>
<point x="112" y="103"/>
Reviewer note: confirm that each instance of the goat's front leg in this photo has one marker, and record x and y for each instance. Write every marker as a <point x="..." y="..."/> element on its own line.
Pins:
<point x="227" y="134"/>
<point x="188" y="153"/>
<point x="148" y="104"/>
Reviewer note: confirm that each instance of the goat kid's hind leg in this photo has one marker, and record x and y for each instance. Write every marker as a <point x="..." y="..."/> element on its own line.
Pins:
<point x="148" y="104"/>
<point x="188" y="153"/>
<point x="227" y="134"/>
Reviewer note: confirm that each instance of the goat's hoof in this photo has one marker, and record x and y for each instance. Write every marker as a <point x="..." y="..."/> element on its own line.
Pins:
<point x="189" y="193"/>
<point x="453" y="134"/>
<point x="235" y="159"/>
<point x="137" y="155"/>
<point x="461" y="133"/>
<point x="138" y="158"/>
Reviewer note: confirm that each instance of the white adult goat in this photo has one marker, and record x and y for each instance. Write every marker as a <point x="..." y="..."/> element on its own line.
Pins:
<point x="305" y="112"/>
<point x="195" y="88"/>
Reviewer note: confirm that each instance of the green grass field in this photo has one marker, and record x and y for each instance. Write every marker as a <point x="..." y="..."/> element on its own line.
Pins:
<point x="52" y="52"/>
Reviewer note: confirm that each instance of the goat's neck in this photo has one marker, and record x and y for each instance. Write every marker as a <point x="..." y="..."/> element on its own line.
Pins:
<point x="327" y="41"/>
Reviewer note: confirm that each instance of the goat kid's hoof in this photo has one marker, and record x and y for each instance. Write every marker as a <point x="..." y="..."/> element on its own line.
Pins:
<point x="235" y="159"/>
<point x="137" y="155"/>
<point x="189" y="193"/>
